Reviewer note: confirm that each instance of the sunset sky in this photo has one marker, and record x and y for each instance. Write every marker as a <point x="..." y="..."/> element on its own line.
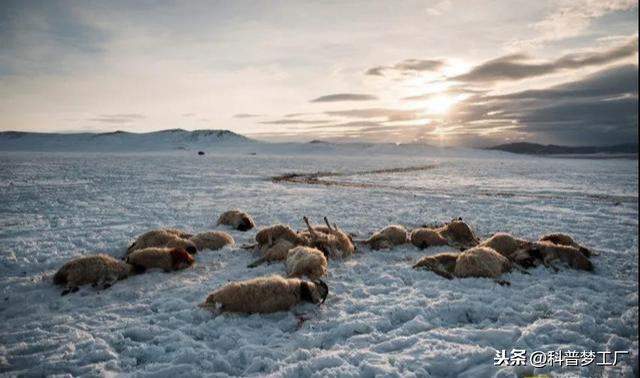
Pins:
<point x="441" y="72"/>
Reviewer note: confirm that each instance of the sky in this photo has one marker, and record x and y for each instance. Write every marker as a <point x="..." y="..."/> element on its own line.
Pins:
<point x="472" y="73"/>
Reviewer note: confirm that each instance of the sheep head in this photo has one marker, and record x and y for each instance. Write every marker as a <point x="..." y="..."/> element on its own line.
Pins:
<point x="181" y="259"/>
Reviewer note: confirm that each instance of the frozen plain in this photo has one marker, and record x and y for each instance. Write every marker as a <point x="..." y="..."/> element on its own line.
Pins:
<point x="381" y="318"/>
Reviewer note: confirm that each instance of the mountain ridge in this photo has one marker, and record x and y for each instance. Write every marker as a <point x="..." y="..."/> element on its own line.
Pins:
<point x="552" y="149"/>
<point x="174" y="139"/>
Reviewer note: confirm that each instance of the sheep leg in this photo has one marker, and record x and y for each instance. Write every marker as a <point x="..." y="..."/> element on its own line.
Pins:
<point x="502" y="282"/>
<point x="332" y="251"/>
<point x="258" y="262"/>
<point x="326" y="221"/>
<point x="440" y="272"/>
<point x="69" y="290"/>
<point x="549" y="264"/>
<point x="311" y="230"/>
<point x="520" y="269"/>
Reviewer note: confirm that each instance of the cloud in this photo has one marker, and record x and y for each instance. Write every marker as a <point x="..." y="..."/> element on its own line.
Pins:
<point x="118" y="118"/>
<point x="345" y="97"/>
<point x="454" y="91"/>
<point x="295" y="122"/>
<point x="246" y="115"/>
<point x="415" y="65"/>
<point x="36" y="34"/>
<point x="598" y="109"/>
<point x="389" y="114"/>
<point x="571" y="18"/>
<point x="519" y="66"/>
<point x="615" y="81"/>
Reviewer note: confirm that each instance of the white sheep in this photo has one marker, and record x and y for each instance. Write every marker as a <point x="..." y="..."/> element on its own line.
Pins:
<point x="167" y="259"/>
<point x="161" y="239"/>
<point x="306" y="261"/>
<point x="474" y="262"/>
<point x="99" y="270"/>
<point x="276" y="252"/>
<point x="239" y="220"/>
<point x="335" y="244"/>
<point x="265" y="295"/>
<point x="212" y="240"/>
<point x="388" y="237"/>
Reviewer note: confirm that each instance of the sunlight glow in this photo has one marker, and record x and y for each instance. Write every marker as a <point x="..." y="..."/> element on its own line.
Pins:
<point x="440" y="104"/>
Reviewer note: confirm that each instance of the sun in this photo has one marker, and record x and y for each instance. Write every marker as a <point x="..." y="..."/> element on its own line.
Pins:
<point x="440" y="104"/>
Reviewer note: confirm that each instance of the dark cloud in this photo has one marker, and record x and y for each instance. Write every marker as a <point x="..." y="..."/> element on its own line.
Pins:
<point x="345" y="97"/>
<point x="615" y="81"/>
<point x="118" y="118"/>
<point x="519" y="66"/>
<point x="376" y="71"/>
<point x="599" y="109"/>
<point x="408" y="65"/>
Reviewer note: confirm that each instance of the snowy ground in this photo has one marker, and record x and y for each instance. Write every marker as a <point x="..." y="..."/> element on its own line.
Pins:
<point x="381" y="318"/>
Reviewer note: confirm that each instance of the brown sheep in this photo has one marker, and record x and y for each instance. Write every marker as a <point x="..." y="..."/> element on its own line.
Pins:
<point x="167" y="259"/>
<point x="564" y="239"/>
<point x="212" y="240"/>
<point x="335" y="244"/>
<point x="161" y="239"/>
<point x="481" y="262"/>
<point x="506" y="244"/>
<point x="443" y="264"/>
<point x="99" y="270"/>
<point x="455" y="234"/>
<point x="265" y="295"/>
<point x="474" y="262"/>
<point x="306" y="261"/>
<point x="276" y="252"/>
<point x="458" y="234"/>
<point x="549" y="252"/>
<point x="237" y="219"/>
<point x="271" y="234"/>
<point x="179" y="233"/>
<point x="388" y="237"/>
<point x="427" y="237"/>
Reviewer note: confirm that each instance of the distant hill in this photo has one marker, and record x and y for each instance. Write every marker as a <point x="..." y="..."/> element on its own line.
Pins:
<point x="550" y="149"/>
<point x="173" y="139"/>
